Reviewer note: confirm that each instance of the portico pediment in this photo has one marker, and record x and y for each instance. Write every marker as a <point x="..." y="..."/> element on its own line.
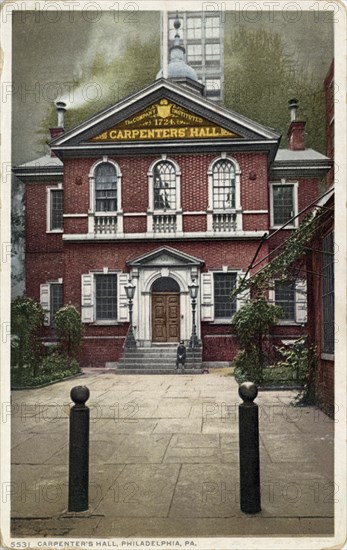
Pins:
<point x="165" y="257"/>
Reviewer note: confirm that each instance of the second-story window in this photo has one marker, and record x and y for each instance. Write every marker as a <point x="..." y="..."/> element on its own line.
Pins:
<point x="105" y="188"/>
<point x="223" y="185"/>
<point x="164" y="186"/>
<point x="56" y="210"/>
<point x="284" y="204"/>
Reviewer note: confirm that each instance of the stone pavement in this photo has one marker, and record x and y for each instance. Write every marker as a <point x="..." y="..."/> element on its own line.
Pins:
<point x="164" y="461"/>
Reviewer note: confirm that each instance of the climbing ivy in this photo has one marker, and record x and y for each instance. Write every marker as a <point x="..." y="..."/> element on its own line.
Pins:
<point x="293" y="249"/>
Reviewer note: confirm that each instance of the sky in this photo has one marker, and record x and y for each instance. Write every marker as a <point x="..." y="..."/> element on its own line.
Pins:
<point x="51" y="50"/>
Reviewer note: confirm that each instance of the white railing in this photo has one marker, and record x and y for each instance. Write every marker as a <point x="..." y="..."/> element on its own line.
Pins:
<point x="224" y="222"/>
<point x="105" y="225"/>
<point x="164" y="223"/>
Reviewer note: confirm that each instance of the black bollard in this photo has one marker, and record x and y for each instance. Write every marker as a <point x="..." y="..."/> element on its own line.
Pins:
<point x="79" y="451"/>
<point x="249" y="449"/>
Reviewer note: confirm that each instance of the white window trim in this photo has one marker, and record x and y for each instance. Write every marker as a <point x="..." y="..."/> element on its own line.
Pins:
<point x="88" y="301"/>
<point x="49" y="190"/>
<point x="237" y="210"/>
<point x="92" y="212"/>
<point x="45" y="299"/>
<point x="175" y="212"/>
<point x="295" y="222"/>
<point x="240" y="299"/>
<point x="284" y="322"/>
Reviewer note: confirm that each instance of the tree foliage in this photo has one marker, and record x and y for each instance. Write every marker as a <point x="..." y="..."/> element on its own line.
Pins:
<point x="253" y="323"/>
<point x="69" y="328"/>
<point x="26" y="321"/>
<point x="292" y="250"/>
<point x="260" y="78"/>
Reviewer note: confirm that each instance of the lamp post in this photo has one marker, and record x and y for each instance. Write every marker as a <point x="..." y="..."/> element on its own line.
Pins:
<point x="193" y="292"/>
<point x="130" y="291"/>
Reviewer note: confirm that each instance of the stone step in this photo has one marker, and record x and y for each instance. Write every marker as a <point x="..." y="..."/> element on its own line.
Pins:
<point x="161" y="371"/>
<point x="149" y="360"/>
<point x="149" y="365"/>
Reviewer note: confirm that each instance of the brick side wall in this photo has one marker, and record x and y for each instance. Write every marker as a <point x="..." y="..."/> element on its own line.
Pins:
<point x="324" y="371"/>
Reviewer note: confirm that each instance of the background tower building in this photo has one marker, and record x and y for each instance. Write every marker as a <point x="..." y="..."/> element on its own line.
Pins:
<point x="202" y="35"/>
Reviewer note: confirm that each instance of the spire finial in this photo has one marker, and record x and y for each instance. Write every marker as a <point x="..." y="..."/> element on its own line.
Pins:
<point x="177" y="22"/>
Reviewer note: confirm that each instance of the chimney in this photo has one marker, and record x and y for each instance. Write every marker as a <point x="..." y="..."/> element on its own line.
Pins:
<point x="59" y="129"/>
<point x="296" y="131"/>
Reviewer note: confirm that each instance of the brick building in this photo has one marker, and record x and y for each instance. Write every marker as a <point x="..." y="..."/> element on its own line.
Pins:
<point x="165" y="187"/>
<point x="321" y="327"/>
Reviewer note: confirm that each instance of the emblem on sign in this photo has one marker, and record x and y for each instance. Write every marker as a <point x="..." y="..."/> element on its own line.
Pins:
<point x="164" y="108"/>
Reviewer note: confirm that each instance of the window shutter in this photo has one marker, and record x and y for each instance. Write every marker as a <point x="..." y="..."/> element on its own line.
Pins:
<point x="123" y="310"/>
<point x="300" y="302"/>
<point x="244" y="296"/>
<point x="207" y="306"/>
<point x="45" y="301"/>
<point x="87" y="298"/>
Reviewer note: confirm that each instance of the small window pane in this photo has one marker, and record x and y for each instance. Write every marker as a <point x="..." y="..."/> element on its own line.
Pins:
<point x="223" y="185"/>
<point x="106" y="297"/>
<point x="194" y="28"/>
<point x="285" y="298"/>
<point x="212" y="27"/>
<point x="224" y="307"/>
<point x="56" y="209"/>
<point x="283" y="203"/>
<point x="105" y="188"/>
<point x="328" y="293"/>
<point x="164" y="186"/>
<point x="194" y="54"/>
<point x="212" y="52"/>
<point x="213" y="88"/>
<point x="56" y="291"/>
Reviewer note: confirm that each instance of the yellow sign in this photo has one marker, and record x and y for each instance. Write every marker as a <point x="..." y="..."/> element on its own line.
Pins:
<point x="164" y="120"/>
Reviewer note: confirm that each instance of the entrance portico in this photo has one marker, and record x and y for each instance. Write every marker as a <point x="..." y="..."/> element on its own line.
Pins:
<point x="162" y="305"/>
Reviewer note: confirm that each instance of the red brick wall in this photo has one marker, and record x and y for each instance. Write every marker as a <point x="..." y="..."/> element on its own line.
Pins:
<point x="195" y="223"/>
<point x="95" y="352"/>
<point x="135" y="224"/>
<point x="254" y="192"/>
<point x="76" y="197"/>
<point x="255" y="222"/>
<point x="36" y="238"/>
<point x="75" y="225"/>
<point x="40" y="268"/>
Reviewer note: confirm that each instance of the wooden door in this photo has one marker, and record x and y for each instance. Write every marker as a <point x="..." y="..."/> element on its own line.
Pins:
<point x="166" y="317"/>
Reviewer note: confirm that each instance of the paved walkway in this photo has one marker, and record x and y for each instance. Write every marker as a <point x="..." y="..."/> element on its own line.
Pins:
<point x="164" y="461"/>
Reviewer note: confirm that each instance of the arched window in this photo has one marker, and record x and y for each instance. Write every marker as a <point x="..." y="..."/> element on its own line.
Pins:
<point x="224" y="188"/>
<point x="164" y="186"/>
<point x="105" y="188"/>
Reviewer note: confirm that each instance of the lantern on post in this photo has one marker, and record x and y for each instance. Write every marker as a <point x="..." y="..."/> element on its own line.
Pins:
<point x="193" y="292"/>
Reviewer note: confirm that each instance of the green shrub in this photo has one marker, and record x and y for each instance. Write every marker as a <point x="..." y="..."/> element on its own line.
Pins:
<point x="26" y="322"/>
<point x="297" y="358"/>
<point x="247" y="367"/>
<point x="252" y="324"/>
<point x="69" y="328"/>
<point x="55" y="366"/>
